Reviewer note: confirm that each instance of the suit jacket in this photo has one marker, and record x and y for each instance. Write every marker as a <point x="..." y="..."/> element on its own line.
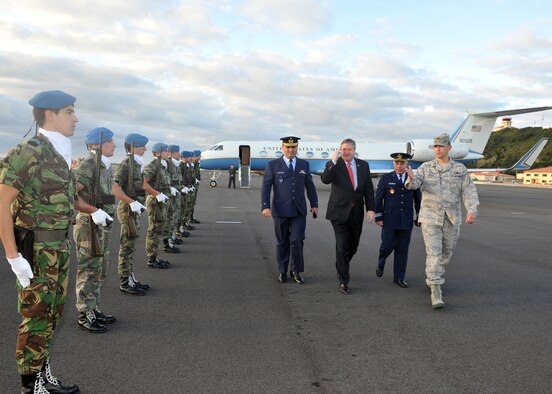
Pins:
<point x="289" y="193"/>
<point x="343" y="198"/>
<point x="395" y="204"/>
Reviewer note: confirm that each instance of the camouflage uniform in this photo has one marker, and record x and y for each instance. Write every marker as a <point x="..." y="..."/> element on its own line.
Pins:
<point x="159" y="179"/>
<point x="443" y="188"/>
<point x="175" y="202"/>
<point x="187" y="199"/>
<point x="92" y="271"/>
<point x="128" y="244"/>
<point x="45" y="201"/>
<point x="196" y="175"/>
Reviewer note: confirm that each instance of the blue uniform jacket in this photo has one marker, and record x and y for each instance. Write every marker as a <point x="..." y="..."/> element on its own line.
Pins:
<point x="394" y="203"/>
<point x="289" y="196"/>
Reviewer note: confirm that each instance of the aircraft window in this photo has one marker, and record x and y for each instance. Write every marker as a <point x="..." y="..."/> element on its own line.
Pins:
<point x="279" y="153"/>
<point x="310" y="155"/>
<point x="325" y="155"/>
<point x="263" y="153"/>
<point x="220" y="147"/>
<point x="214" y="147"/>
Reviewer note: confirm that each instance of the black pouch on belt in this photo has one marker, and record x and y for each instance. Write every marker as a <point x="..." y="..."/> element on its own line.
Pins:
<point x="24" y="240"/>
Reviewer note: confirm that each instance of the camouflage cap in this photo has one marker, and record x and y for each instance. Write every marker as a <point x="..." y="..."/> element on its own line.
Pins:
<point x="442" y="140"/>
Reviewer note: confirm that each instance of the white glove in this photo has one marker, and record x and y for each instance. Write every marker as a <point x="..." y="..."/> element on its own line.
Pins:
<point x="101" y="218"/>
<point x="185" y="190"/>
<point x="22" y="269"/>
<point x="161" y="197"/>
<point x="135" y="206"/>
<point x="174" y="192"/>
<point x="197" y="181"/>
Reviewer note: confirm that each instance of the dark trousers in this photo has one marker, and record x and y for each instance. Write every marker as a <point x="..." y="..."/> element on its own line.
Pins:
<point x="232" y="180"/>
<point x="290" y="234"/>
<point x="396" y="241"/>
<point x="347" y="237"/>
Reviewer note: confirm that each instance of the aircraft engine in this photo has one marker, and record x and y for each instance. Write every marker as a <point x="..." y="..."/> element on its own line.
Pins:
<point x="422" y="150"/>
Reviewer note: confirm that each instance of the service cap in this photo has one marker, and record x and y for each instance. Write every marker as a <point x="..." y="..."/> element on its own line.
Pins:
<point x="174" y="148"/>
<point x="441" y="140"/>
<point x="160" y="147"/>
<point x="93" y="136"/>
<point x="138" y="140"/>
<point x="398" y="156"/>
<point x="290" y="141"/>
<point x="52" y="99"/>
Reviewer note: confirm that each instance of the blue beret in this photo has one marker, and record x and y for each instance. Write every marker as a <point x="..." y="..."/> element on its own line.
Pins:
<point x="159" y="147"/>
<point x="197" y="153"/>
<point x="174" y="148"/>
<point x="93" y="136"/>
<point x="138" y="140"/>
<point x="186" y="153"/>
<point x="52" y="99"/>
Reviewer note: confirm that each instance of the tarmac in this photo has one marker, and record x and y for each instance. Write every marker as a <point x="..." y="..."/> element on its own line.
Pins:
<point x="218" y="321"/>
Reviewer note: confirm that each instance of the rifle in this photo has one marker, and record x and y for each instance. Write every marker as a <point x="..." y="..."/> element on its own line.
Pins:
<point x="95" y="200"/>
<point x="132" y="230"/>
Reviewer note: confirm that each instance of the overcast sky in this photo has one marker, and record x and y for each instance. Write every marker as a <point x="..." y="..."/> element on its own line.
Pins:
<point x="198" y="72"/>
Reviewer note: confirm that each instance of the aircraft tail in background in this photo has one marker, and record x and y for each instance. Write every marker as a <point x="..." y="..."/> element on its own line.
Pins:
<point x="475" y="130"/>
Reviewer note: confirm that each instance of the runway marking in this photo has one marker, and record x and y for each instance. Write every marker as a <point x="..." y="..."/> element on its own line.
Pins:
<point x="516" y="213"/>
<point x="227" y="207"/>
<point x="226" y="222"/>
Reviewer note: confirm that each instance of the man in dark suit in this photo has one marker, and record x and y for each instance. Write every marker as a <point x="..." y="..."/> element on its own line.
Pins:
<point x="289" y="176"/>
<point x="352" y="191"/>
<point x="395" y="206"/>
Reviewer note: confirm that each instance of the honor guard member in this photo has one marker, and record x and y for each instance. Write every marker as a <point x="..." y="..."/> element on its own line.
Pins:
<point x="444" y="184"/>
<point x="128" y="188"/>
<point x="196" y="156"/>
<point x="169" y="229"/>
<point x="289" y="177"/>
<point x="37" y="192"/>
<point x="92" y="230"/>
<point x="188" y="181"/>
<point x="158" y="188"/>
<point x="395" y="206"/>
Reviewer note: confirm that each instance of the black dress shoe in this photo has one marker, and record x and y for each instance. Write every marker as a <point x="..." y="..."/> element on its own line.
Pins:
<point x="282" y="278"/>
<point x="401" y="283"/>
<point x="343" y="288"/>
<point x="297" y="278"/>
<point x="88" y="322"/>
<point x="103" y="318"/>
<point x="379" y="272"/>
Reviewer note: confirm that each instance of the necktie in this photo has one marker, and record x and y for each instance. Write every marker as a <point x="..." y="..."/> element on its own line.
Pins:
<point x="351" y="176"/>
<point x="401" y="177"/>
<point x="291" y="167"/>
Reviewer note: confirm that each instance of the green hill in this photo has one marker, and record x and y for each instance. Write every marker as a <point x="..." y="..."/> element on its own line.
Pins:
<point x="506" y="146"/>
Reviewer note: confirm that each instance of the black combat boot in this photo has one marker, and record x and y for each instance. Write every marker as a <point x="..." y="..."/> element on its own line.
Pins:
<point x="103" y="318"/>
<point x="137" y="283"/>
<point x="126" y="288"/>
<point x="88" y="322"/>
<point x="33" y="383"/>
<point x="153" y="262"/>
<point x="53" y="385"/>
<point x="168" y="248"/>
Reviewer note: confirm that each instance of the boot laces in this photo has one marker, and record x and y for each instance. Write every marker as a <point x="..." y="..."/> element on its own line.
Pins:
<point x="90" y="316"/>
<point x="49" y="377"/>
<point x="131" y="281"/>
<point x="39" y="385"/>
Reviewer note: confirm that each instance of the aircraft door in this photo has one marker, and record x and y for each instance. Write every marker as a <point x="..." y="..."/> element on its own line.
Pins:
<point x="245" y="166"/>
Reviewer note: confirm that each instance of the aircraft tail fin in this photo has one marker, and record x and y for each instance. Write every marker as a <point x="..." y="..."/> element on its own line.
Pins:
<point x="528" y="159"/>
<point x="475" y="130"/>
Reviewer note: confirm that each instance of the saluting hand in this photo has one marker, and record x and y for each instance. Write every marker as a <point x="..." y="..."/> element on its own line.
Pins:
<point x="410" y="172"/>
<point x="335" y="155"/>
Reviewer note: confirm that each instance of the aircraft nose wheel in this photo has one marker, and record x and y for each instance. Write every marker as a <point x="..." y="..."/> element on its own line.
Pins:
<point x="213" y="183"/>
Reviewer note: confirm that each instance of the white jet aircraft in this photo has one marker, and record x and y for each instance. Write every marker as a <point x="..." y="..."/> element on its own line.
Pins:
<point x="468" y="143"/>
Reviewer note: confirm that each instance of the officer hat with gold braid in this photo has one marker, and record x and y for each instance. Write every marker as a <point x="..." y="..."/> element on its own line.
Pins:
<point x="403" y="157"/>
<point x="290" y="141"/>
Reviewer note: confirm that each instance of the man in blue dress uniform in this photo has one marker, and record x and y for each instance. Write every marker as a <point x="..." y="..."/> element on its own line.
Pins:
<point x="289" y="176"/>
<point x="395" y="207"/>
